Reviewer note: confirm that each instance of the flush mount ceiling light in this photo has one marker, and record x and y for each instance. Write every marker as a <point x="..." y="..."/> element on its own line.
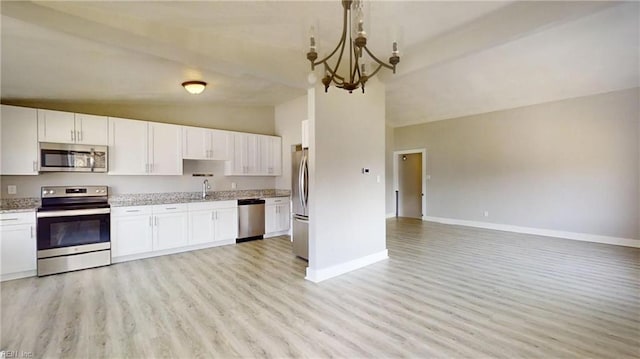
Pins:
<point x="357" y="75"/>
<point x="194" y="87"/>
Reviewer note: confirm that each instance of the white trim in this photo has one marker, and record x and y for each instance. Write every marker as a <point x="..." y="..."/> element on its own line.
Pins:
<point x="391" y="215"/>
<point x="318" y="275"/>
<point x="164" y="252"/>
<point x="18" y="275"/>
<point x="422" y="151"/>
<point x="276" y="234"/>
<point x="628" y="242"/>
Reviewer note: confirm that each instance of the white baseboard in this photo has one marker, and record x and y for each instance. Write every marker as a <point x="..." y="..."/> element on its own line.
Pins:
<point x="391" y="215"/>
<point x="165" y="252"/>
<point x="276" y="234"/>
<point x="18" y="275"/>
<point x="318" y="275"/>
<point x="628" y="242"/>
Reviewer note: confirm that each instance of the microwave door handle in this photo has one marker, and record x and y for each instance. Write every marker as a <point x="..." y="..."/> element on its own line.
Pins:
<point x="92" y="160"/>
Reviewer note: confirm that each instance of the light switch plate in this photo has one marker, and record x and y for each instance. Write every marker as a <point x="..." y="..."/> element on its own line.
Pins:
<point x="12" y="189"/>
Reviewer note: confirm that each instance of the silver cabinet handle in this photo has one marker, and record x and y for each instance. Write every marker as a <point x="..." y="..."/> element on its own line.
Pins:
<point x="8" y="219"/>
<point x="150" y="221"/>
<point x="31" y="230"/>
<point x="132" y="210"/>
<point x="156" y="219"/>
<point x="73" y="135"/>
<point x="35" y="166"/>
<point x="171" y="208"/>
<point x="212" y="213"/>
<point x="79" y="135"/>
<point x="151" y="168"/>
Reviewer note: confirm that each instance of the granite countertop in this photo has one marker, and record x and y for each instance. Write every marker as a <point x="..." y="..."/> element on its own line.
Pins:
<point x="146" y="199"/>
<point x="15" y="205"/>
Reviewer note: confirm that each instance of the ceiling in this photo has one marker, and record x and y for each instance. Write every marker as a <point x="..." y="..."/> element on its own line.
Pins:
<point x="457" y="58"/>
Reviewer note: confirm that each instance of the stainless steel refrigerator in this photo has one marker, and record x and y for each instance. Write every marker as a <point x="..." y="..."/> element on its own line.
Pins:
<point x="300" y="199"/>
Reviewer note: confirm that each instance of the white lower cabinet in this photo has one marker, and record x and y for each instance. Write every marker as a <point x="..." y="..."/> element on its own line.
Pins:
<point x="277" y="215"/>
<point x="17" y="245"/>
<point x="131" y="230"/>
<point x="147" y="231"/>
<point x="211" y="222"/>
<point x="170" y="226"/>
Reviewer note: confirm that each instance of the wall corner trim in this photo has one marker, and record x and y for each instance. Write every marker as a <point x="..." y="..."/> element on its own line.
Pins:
<point x="318" y="275"/>
<point x="587" y="237"/>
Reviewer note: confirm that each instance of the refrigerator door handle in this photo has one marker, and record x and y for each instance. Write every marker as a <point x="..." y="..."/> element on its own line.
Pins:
<point x="301" y="183"/>
<point x="301" y="219"/>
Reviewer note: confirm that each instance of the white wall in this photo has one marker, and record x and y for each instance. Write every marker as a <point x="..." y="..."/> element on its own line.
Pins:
<point x="288" y="119"/>
<point x="347" y="208"/>
<point x="571" y="165"/>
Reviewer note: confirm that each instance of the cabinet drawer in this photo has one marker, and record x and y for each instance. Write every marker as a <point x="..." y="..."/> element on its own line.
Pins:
<point x="170" y="208"/>
<point x="276" y="200"/>
<point x="201" y="206"/>
<point x="131" y="211"/>
<point x="8" y="219"/>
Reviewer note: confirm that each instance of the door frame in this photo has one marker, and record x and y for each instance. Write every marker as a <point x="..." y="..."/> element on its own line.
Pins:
<point x="422" y="151"/>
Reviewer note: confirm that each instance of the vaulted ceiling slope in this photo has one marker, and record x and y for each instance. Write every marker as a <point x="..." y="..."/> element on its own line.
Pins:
<point x="457" y="58"/>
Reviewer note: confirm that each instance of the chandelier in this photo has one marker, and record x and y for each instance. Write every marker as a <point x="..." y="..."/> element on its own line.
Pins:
<point x="357" y="75"/>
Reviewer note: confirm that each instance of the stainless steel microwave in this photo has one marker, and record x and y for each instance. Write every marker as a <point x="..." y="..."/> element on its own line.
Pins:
<point x="60" y="157"/>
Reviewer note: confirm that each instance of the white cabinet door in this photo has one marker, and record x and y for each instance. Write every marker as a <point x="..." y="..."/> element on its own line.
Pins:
<point x="17" y="248"/>
<point x="252" y="154"/>
<point x="271" y="155"/>
<point x="305" y="134"/>
<point x="219" y="145"/>
<point x="271" y="218"/>
<point x="19" y="129"/>
<point x="196" y="143"/>
<point x="91" y="129"/>
<point x="284" y="217"/>
<point x="170" y="230"/>
<point x="56" y="126"/>
<point x="131" y="235"/>
<point x="201" y="227"/>
<point x="165" y="149"/>
<point x="128" y="147"/>
<point x="226" y="224"/>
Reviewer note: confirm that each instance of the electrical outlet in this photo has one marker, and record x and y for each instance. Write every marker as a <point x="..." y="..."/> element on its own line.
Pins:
<point x="486" y="213"/>
<point x="233" y="185"/>
<point x="12" y="189"/>
<point x="378" y="178"/>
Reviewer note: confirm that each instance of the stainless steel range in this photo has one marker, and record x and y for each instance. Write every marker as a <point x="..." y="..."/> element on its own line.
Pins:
<point x="73" y="229"/>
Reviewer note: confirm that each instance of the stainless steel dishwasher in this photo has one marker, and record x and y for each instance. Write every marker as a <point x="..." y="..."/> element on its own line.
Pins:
<point x="250" y="219"/>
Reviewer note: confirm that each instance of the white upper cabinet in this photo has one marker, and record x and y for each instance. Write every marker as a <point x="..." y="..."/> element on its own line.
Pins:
<point x="271" y="155"/>
<point x="128" y="147"/>
<point x="140" y="147"/>
<point x="254" y="155"/>
<point x="165" y="149"/>
<point x="305" y="134"/>
<point x="19" y="152"/>
<point x="67" y="127"/>
<point x="204" y="144"/>
<point x="91" y="129"/>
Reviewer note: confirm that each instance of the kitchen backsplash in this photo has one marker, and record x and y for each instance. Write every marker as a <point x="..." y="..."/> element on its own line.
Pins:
<point x="29" y="186"/>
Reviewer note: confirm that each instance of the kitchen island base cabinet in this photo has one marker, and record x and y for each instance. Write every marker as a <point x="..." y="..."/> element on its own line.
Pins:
<point x="17" y="245"/>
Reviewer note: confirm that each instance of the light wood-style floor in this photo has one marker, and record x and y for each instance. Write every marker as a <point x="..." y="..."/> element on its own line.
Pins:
<point x="446" y="292"/>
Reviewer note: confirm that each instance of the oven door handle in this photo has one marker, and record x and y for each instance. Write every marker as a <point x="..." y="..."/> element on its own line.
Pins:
<point x="73" y="212"/>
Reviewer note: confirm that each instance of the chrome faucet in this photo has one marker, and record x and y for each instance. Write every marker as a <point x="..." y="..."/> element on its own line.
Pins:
<point x="205" y="187"/>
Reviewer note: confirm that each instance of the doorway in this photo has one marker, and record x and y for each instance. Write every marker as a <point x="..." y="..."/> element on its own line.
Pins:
<point x="409" y="179"/>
